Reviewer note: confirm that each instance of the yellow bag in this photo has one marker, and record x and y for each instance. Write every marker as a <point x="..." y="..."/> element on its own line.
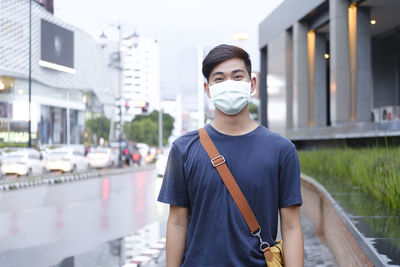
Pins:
<point x="274" y="255"/>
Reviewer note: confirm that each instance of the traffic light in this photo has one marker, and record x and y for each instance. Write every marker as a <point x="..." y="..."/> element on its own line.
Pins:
<point x="126" y="105"/>
<point x="145" y="106"/>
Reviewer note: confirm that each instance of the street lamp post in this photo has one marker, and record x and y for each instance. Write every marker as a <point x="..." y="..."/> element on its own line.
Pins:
<point x="30" y="73"/>
<point x="120" y="163"/>
<point x="118" y="66"/>
<point x="241" y="37"/>
<point x="116" y="62"/>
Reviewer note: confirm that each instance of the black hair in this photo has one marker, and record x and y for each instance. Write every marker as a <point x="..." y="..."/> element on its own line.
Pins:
<point x="222" y="53"/>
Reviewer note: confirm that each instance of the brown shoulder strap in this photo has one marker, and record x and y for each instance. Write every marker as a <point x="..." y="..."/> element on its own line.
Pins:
<point x="218" y="161"/>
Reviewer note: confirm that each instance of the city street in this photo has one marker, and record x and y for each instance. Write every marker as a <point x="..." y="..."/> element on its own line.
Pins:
<point x="100" y="99"/>
<point x="76" y="217"/>
<point x="47" y="223"/>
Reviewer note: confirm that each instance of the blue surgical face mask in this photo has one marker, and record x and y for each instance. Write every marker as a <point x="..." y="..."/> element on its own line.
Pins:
<point x="230" y="97"/>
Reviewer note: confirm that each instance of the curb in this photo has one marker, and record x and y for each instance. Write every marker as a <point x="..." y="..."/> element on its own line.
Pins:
<point x="150" y="255"/>
<point x="52" y="179"/>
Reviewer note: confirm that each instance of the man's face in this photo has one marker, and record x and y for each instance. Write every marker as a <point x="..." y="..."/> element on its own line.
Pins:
<point x="231" y="69"/>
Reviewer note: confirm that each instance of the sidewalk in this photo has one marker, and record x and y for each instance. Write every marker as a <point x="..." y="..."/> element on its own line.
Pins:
<point x="316" y="253"/>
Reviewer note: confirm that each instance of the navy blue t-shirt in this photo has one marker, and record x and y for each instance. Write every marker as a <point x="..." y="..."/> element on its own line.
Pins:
<point x="265" y="166"/>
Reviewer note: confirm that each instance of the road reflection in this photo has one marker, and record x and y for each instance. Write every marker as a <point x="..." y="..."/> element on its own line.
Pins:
<point x="161" y="210"/>
<point x="40" y="226"/>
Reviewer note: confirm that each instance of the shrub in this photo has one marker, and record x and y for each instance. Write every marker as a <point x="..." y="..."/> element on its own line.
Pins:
<point x="375" y="170"/>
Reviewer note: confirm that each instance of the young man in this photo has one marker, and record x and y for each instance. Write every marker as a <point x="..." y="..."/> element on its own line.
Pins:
<point x="205" y="227"/>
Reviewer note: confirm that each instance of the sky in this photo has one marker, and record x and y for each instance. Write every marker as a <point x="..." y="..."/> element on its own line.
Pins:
<point x="175" y="24"/>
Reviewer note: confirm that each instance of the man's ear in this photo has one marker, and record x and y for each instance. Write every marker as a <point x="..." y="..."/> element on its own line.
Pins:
<point x="207" y="90"/>
<point x="253" y="85"/>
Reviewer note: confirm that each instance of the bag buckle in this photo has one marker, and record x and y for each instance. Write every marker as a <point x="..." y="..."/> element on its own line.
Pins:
<point x="219" y="160"/>
<point x="263" y="245"/>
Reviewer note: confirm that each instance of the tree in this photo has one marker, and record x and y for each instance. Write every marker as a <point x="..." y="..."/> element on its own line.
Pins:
<point x="99" y="126"/>
<point x="144" y="128"/>
<point x="253" y="110"/>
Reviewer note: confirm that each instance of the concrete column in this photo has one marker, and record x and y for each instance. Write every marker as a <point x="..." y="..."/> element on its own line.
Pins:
<point x="364" y="68"/>
<point x="289" y="79"/>
<point x="352" y="25"/>
<point x="339" y="61"/>
<point x="300" y="74"/>
<point x="311" y="76"/>
<point x="320" y="80"/>
<point x="263" y="88"/>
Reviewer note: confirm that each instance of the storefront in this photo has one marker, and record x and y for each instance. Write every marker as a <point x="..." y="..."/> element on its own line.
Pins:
<point x="67" y="65"/>
<point x="57" y="115"/>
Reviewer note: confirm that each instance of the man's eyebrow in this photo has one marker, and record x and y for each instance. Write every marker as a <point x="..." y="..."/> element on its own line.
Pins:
<point x="217" y="73"/>
<point x="238" y="70"/>
<point x="221" y="73"/>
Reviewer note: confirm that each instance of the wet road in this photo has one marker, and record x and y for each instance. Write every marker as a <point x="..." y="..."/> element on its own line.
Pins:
<point x="39" y="226"/>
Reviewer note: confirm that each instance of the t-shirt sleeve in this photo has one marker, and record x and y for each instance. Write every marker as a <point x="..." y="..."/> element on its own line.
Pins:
<point x="174" y="190"/>
<point x="289" y="179"/>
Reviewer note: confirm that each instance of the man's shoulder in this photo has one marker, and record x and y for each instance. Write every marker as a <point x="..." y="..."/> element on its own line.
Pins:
<point x="187" y="137"/>
<point x="280" y="141"/>
<point x="183" y="142"/>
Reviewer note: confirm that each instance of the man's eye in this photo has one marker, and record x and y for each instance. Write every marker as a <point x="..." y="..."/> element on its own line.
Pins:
<point x="238" y="77"/>
<point x="219" y="79"/>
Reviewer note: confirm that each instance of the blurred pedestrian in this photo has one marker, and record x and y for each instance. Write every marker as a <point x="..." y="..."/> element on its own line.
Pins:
<point x="205" y="226"/>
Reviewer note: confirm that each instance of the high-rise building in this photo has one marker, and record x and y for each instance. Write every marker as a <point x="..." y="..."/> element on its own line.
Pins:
<point x="173" y="107"/>
<point x="191" y="88"/>
<point x="141" y="75"/>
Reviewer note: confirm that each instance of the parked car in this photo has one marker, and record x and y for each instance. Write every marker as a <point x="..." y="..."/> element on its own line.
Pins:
<point x="136" y="156"/>
<point x="66" y="160"/>
<point x="162" y="161"/>
<point x="4" y="151"/>
<point x="144" y="149"/>
<point x="161" y="165"/>
<point x="24" y="161"/>
<point x="129" y="152"/>
<point x="102" y="157"/>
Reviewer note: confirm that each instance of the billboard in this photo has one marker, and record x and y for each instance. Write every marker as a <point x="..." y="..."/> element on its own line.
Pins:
<point x="57" y="47"/>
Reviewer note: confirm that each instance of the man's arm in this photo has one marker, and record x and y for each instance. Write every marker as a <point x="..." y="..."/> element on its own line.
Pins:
<point x="292" y="236"/>
<point x="176" y="235"/>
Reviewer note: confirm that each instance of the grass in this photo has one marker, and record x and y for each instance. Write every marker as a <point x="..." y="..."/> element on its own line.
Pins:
<point x="375" y="171"/>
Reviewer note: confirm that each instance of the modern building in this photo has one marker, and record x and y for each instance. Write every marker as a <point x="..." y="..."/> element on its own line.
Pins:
<point x="141" y="75"/>
<point x="191" y="88"/>
<point x="69" y="73"/>
<point x="173" y="106"/>
<point x="331" y="69"/>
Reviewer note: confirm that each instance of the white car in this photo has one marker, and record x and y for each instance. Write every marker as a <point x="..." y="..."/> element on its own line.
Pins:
<point x="66" y="160"/>
<point x="103" y="157"/>
<point x="161" y="165"/>
<point x="23" y="161"/>
<point x="144" y="149"/>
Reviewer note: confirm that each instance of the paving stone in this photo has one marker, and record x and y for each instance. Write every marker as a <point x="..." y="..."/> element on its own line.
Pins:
<point x="317" y="254"/>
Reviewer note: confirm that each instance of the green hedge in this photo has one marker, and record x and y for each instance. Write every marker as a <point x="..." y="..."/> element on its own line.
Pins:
<point x="375" y="170"/>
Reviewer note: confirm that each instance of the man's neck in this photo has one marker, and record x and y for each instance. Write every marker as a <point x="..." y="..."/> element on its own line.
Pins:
<point x="233" y="125"/>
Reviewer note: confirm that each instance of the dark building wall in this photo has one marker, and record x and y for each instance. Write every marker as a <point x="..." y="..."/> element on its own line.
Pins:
<point x="385" y="67"/>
